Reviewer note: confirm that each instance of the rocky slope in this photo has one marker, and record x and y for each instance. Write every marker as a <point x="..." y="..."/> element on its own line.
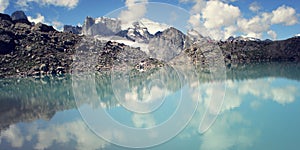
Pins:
<point x="28" y="49"/>
<point x="261" y="51"/>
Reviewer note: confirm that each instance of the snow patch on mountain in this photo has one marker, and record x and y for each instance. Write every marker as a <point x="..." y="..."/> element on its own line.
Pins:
<point x="142" y="46"/>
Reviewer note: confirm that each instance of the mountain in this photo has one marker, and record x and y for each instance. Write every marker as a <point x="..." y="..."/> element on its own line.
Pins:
<point x="167" y="44"/>
<point x="101" y="26"/>
<point x="137" y="33"/>
<point x="33" y="49"/>
<point x="28" y="49"/>
<point x="151" y="25"/>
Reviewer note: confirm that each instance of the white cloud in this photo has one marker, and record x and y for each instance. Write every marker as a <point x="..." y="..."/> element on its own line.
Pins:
<point x="254" y="7"/>
<point x="230" y="31"/>
<point x="198" y="7"/>
<point x="194" y="21"/>
<point x="255" y="26"/>
<point x="3" y="5"/>
<point x="39" y="18"/>
<point x="285" y="15"/>
<point x="217" y="14"/>
<point x="272" y="34"/>
<point x="136" y="9"/>
<point x="219" y="19"/>
<point x="210" y="18"/>
<point x="61" y="3"/>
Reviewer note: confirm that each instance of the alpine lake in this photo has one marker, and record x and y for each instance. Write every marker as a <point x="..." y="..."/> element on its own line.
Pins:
<point x="255" y="106"/>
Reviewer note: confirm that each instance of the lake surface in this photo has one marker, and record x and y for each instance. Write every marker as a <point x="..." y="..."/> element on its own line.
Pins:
<point x="256" y="106"/>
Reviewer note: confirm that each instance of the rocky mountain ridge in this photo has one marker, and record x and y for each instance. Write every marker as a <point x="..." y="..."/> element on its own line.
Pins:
<point x="28" y="49"/>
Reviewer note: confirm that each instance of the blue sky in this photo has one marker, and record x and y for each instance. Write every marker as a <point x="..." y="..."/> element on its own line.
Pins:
<point x="277" y="19"/>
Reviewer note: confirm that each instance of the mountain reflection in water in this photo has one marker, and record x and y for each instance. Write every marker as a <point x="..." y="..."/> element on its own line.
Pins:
<point x="260" y="109"/>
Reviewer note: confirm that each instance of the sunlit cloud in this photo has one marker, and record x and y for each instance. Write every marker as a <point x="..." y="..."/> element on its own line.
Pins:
<point x="38" y="19"/>
<point x="3" y="5"/>
<point x="220" y="19"/>
<point x="136" y="9"/>
<point x="41" y="19"/>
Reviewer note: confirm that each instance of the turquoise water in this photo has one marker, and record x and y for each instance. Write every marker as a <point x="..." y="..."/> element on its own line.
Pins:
<point x="260" y="109"/>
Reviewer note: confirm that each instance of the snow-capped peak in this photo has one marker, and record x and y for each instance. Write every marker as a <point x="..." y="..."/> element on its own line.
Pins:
<point x="151" y="26"/>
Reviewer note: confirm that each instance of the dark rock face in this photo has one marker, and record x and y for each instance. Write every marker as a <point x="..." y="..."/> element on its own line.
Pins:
<point x="5" y="17"/>
<point x="19" y="16"/>
<point x="7" y="44"/>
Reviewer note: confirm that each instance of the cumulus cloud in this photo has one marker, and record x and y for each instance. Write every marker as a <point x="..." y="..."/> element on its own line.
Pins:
<point x="285" y="15"/>
<point x="194" y="22"/>
<point x="255" y="26"/>
<point x="136" y="9"/>
<point x="39" y="18"/>
<point x="61" y="3"/>
<point x="210" y="17"/>
<point x="198" y="7"/>
<point x="254" y="7"/>
<point x="3" y="5"/>
<point x="217" y="14"/>
<point x="219" y="19"/>
<point x="272" y="34"/>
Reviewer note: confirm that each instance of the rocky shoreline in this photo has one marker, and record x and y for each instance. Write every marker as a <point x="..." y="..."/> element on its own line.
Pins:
<point x="28" y="49"/>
